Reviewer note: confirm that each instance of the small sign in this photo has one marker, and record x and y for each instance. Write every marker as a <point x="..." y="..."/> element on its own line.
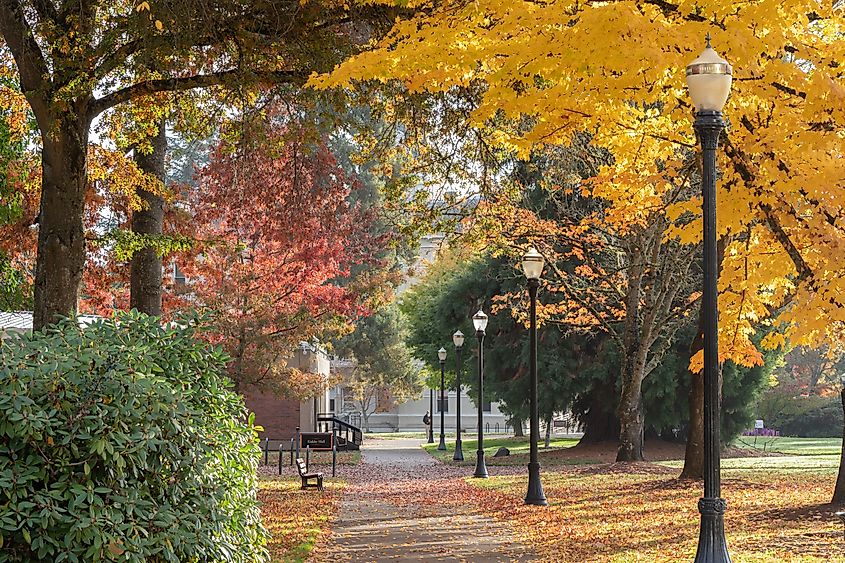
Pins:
<point x="316" y="440"/>
<point x="758" y="424"/>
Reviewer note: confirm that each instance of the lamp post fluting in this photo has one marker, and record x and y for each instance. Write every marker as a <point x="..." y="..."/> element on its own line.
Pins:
<point x="709" y="83"/>
<point x="479" y="321"/>
<point x="458" y="340"/>
<point x="532" y="267"/>
<point x="442" y="355"/>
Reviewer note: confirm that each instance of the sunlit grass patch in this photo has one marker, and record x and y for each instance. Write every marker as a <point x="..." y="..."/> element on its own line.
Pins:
<point x="793" y="446"/>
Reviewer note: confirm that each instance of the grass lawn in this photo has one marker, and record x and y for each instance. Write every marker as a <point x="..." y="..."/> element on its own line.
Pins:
<point x="794" y="446"/>
<point x="517" y="446"/>
<point x="825" y="464"/>
<point x="296" y="519"/>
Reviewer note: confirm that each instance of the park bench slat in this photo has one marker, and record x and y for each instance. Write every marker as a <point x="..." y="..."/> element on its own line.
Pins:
<point x="306" y="477"/>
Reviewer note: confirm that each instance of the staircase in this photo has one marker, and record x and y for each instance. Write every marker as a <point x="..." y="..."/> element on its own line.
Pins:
<point x="346" y="436"/>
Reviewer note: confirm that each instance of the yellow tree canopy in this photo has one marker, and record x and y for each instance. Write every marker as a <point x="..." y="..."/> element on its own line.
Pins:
<point x="616" y="70"/>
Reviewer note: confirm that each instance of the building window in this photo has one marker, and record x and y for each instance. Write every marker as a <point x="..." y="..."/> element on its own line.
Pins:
<point x="178" y="276"/>
<point x="331" y="405"/>
<point x="486" y="406"/>
<point x="443" y="404"/>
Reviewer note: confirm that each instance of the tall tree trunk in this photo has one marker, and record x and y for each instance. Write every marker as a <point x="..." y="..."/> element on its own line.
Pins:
<point x="145" y="278"/>
<point x="694" y="452"/>
<point x="549" y="422"/>
<point x="630" y="411"/>
<point x="631" y="419"/>
<point x="518" y="432"/>
<point x="839" y="490"/>
<point x="61" y="237"/>
<point x="634" y="350"/>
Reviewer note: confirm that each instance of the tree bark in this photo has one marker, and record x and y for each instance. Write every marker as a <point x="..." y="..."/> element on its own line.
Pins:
<point x="61" y="237"/>
<point x="145" y="279"/>
<point x="549" y="422"/>
<point x="839" y="490"/>
<point x="631" y="419"/>
<point x="518" y="432"/>
<point x="694" y="452"/>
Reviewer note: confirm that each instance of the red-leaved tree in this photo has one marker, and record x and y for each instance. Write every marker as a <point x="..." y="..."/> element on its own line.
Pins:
<point x="280" y="245"/>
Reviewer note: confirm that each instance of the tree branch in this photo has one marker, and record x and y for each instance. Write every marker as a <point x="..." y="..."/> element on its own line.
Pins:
<point x="180" y="84"/>
<point x="28" y="58"/>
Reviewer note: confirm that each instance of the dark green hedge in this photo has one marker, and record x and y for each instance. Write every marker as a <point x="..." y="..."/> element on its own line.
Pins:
<point x="122" y="442"/>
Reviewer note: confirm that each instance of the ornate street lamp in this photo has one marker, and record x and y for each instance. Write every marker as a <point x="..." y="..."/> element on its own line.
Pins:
<point x="442" y="355"/>
<point x="532" y="267"/>
<point x="458" y="340"/>
<point x="709" y="83"/>
<point x="479" y="321"/>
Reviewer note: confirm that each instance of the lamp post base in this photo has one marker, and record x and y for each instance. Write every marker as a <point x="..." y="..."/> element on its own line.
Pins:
<point x="535" y="495"/>
<point x="459" y="452"/>
<point x="712" y="547"/>
<point x="431" y="437"/>
<point x="480" y="466"/>
<point x="442" y="445"/>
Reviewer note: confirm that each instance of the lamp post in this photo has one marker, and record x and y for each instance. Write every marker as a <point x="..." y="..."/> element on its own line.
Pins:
<point x="442" y="355"/>
<point x="709" y="83"/>
<point x="532" y="267"/>
<point x="430" y="415"/>
<point x="458" y="340"/>
<point x="479" y="321"/>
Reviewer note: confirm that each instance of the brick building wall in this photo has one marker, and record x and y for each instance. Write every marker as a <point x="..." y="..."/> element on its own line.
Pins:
<point x="279" y="417"/>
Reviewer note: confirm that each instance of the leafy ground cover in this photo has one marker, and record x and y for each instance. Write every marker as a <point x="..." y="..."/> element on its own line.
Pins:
<point x="517" y="446"/>
<point x="777" y="504"/>
<point x="641" y="512"/>
<point x="297" y="520"/>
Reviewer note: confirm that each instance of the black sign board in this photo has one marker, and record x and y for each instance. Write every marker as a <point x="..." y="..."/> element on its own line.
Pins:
<point x="315" y="440"/>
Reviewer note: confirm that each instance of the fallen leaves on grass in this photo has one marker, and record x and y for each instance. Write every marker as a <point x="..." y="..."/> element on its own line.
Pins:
<point x="605" y="514"/>
<point x="296" y="519"/>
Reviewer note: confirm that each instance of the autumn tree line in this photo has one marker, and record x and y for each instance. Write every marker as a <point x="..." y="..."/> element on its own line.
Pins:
<point x="560" y="125"/>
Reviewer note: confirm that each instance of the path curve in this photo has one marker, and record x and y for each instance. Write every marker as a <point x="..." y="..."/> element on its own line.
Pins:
<point x="390" y="512"/>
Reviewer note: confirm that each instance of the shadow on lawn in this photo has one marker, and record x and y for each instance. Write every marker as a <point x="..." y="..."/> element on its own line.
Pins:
<point x="820" y="512"/>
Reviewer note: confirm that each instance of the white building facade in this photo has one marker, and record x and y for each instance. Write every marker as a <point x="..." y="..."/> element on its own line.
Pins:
<point x="407" y="416"/>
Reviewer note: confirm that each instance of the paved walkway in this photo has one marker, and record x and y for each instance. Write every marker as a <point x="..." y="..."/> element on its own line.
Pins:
<point x="401" y="506"/>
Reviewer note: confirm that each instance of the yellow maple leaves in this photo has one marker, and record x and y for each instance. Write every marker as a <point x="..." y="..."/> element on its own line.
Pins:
<point x="616" y="69"/>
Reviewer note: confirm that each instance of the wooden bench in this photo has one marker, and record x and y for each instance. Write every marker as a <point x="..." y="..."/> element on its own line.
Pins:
<point x="305" y="476"/>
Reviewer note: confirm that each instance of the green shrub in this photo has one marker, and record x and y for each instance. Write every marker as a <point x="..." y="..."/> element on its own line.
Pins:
<point x="122" y="442"/>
